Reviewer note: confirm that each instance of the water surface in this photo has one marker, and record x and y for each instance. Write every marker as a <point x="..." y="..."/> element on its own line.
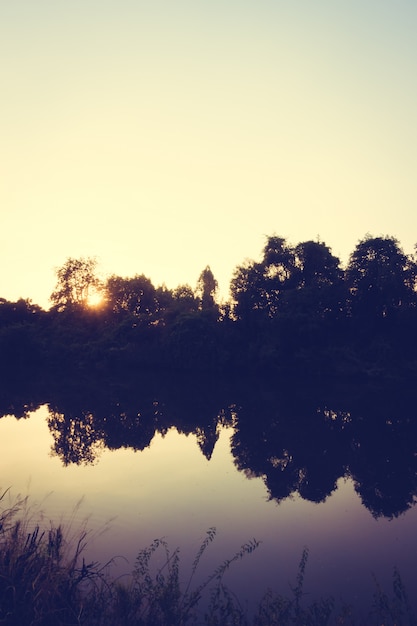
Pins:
<point x="332" y="474"/>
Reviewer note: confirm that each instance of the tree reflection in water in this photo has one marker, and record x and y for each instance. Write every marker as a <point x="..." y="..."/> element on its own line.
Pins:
<point x="76" y="437"/>
<point x="300" y="439"/>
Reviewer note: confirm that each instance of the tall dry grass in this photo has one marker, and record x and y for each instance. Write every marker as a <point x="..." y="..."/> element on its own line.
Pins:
<point x="45" y="581"/>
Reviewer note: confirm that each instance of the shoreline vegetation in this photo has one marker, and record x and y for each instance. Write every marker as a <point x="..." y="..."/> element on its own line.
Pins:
<point x="295" y="312"/>
<point x="45" y="580"/>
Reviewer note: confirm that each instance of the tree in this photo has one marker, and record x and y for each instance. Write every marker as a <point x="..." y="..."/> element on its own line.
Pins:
<point x="318" y="280"/>
<point x="193" y="341"/>
<point x="19" y="312"/>
<point x="257" y="287"/>
<point x="135" y="296"/>
<point x="381" y="278"/>
<point x="278" y="261"/>
<point x="184" y="294"/>
<point x="248" y="290"/>
<point x="316" y="264"/>
<point x="76" y="281"/>
<point x="206" y="288"/>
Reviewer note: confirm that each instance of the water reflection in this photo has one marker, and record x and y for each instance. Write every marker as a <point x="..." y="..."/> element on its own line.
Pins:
<point x="304" y="445"/>
<point x="298" y="439"/>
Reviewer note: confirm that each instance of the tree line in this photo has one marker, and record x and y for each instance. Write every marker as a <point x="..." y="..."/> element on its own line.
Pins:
<point x="296" y="310"/>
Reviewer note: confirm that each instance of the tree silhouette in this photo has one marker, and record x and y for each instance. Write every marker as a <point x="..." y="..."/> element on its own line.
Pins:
<point x="135" y="296"/>
<point x="257" y="288"/>
<point x="293" y="311"/>
<point x="76" y="281"/>
<point x="206" y="288"/>
<point x="316" y="265"/>
<point x="381" y="278"/>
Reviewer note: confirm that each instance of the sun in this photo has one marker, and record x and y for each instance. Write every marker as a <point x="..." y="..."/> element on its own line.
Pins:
<point x="95" y="300"/>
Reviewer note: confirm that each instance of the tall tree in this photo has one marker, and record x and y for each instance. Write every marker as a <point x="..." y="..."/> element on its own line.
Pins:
<point x="206" y="288"/>
<point x="76" y="281"/>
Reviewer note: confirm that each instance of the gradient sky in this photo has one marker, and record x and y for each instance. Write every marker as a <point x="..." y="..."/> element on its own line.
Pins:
<point x="161" y="137"/>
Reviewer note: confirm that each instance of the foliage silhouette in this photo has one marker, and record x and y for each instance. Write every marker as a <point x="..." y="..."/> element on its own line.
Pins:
<point x="76" y="280"/>
<point x="296" y="311"/>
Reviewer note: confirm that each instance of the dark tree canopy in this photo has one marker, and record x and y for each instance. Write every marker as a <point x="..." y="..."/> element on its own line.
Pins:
<point x="257" y="287"/>
<point x="247" y="289"/>
<point x="269" y="286"/>
<point x="183" y="301"/>
<point x="316" y="265"/>
<point x="278" y="260"/>
<point x="381" y="277"/>
<point x="135" y="296"/>
<point x="293" y="310"/>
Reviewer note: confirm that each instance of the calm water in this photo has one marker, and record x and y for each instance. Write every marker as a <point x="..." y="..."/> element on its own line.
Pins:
<point x="333" y="472"/>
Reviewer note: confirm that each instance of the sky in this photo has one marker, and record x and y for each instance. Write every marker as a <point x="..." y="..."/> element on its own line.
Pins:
<point x="161" y="137"/>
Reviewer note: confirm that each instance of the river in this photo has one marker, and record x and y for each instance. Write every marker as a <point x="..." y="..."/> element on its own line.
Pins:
<point x="341" y="484"/>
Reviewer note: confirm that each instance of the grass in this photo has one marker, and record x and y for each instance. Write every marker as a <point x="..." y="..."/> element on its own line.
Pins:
<point x="43" y="577"/>
<point x="45" y="581"/>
